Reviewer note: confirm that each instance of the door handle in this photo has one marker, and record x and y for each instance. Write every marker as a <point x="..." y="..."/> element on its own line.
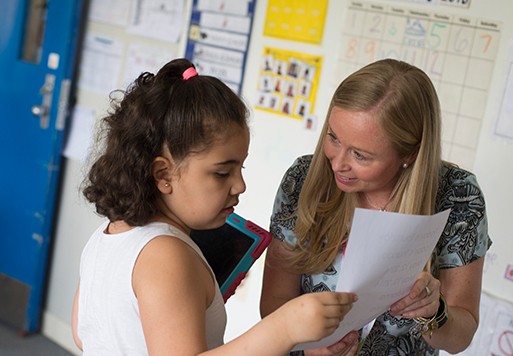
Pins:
<point x="43" y="110"/>
<point x="39" y="110"/>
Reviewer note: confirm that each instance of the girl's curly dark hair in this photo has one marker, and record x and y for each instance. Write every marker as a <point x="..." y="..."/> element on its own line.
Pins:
<point x="156" y="111"/>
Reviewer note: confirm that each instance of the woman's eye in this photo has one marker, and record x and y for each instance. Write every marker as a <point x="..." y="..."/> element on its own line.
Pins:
<point x="332" y="136"/>
<point x="222" y="174"/>
<point x="358" y="156"/>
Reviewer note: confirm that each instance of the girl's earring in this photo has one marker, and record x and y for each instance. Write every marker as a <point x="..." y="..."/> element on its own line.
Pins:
<point x="405" y="165"/>
<point x="167" y="185"/>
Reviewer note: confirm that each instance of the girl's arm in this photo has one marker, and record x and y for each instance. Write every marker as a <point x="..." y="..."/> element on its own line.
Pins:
<point x="174" y="288"/>
<point x="280" y="286"/>
<point x="74" y="319"/>
<point x="309" y="317"/>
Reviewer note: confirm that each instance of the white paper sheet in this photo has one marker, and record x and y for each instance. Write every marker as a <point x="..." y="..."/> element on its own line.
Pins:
<point x="80" y="139"/>
<point x="238" y="24"/>
<point x="112" y="12"/>
<point x="225" y="73"/>
<point x="228" y="58"/>
<point x="233" y="7"/>
<point x="144" y="58"/>
<point x="158" y="19"/>
<point x="504" y="122"/>
<point x="384" y="255"/>
<point x="101" y="63"/>
<point x="223" y="39"/>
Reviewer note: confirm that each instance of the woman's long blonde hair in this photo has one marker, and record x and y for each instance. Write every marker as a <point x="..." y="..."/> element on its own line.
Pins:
<point x="407" y="107"/>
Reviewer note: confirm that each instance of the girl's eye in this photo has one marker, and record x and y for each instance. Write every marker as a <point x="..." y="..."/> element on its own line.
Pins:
<point x="222" y="174"/>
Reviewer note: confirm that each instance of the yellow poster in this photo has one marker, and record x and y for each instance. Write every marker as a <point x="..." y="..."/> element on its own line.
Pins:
<point x="287" y="84"/>
<point x="298" y="20"/>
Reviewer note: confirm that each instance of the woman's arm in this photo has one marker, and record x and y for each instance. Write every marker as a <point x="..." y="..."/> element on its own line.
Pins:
<point x="278" y="286"/>
<point x="461" y="287"/>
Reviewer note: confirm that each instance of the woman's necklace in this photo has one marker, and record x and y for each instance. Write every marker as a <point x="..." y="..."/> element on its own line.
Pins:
<point x="375" y="206"/>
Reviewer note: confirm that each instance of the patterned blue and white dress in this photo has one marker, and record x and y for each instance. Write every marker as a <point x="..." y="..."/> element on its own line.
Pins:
<point x="464" y="239"/>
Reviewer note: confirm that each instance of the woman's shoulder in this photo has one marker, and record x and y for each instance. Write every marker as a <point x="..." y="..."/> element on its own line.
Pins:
<point x="295" y="175"/>
<point x="459" y="190"/>
<point x="300" y="165"/>
<point x="457" y="183"/>
<point x="465" y="237"/>
<point x="452" y="172"/>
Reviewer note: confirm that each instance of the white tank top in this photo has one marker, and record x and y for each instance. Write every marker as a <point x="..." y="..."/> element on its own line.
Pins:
<point x="108" y="314"/>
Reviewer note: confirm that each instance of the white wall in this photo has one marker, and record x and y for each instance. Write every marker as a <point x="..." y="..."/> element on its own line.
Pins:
<point x="276" y="141"/>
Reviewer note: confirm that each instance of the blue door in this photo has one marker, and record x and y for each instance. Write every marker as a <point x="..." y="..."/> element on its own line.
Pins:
<point x="38" y="42"/>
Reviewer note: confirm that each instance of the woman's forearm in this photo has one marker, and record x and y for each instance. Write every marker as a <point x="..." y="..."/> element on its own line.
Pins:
<point x="456" y="334"/>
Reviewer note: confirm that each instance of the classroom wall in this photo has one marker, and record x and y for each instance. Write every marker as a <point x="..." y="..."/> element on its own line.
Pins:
<point x="276" y="142"/>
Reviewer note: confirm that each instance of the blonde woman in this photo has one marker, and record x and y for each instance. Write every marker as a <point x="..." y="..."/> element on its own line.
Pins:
<point x="380" y="149"/>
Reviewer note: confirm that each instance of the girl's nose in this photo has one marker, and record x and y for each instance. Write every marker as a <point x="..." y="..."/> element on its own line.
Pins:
<point x="239" y="186"/>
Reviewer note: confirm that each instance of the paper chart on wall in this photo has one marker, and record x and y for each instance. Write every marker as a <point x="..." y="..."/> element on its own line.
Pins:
<point x="100" y="64"/>
<point x="144" y="58"/>
<point x="504" y="122"/>
<point x="453" y="3"/>
<point x="494" y="335"/>
<point x="298" y="20"/>
<point x="162" y="20"/>
<point x="457" y="52"/>
<point x="218" y="40"/>
<point x="287" y="84"/>
<point x="80" y="135"/>
<point x="112" y="12"/>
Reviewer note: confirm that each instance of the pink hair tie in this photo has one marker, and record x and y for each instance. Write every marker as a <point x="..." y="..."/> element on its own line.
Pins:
<point x="189" y="73"/>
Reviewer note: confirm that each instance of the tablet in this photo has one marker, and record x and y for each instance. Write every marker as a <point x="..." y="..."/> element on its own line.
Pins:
<point x="231" y="250"/>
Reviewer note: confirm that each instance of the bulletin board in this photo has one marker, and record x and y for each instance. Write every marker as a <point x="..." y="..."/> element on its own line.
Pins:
<point x="456" y="51"/>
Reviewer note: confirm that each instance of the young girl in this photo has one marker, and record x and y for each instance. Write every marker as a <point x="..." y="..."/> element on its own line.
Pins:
<point x="172" y="161"/>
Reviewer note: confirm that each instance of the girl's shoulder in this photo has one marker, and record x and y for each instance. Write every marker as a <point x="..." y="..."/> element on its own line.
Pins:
<point x="172" y="260"/>
<point x="172" y="238"/>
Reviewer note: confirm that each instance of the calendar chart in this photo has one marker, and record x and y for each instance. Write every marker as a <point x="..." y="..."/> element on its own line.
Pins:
<point x="456" y="51"/>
